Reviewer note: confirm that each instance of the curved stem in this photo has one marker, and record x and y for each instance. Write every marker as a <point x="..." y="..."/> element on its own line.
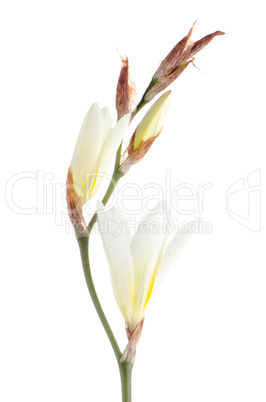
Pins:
<point x="125" y="368"/>
<point x="84" y="252"/>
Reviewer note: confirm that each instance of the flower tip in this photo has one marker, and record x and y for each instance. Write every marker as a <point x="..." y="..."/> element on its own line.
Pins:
<point x="169" y="95"/>
<point x="166" y="100"/>
<point x="123" y="57"/>
<point x="220" y="33"/>
<point x="95" y="105"/>
<point x="193" y="26"/>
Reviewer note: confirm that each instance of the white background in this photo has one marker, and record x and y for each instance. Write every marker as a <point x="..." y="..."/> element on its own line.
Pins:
<point x="204" y="335"/>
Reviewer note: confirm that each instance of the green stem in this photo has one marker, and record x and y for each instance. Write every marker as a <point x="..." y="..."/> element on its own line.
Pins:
<point x="125" y="374"/>
<point x="144" y="102"/>
<point x="118" y="157"/>
<point x="84" y="252"/>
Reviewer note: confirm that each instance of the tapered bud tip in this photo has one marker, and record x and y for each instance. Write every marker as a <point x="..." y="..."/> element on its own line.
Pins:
<point x="219" y="33"/>
<point x="200" y="44"/>
<point x="152" y="122"/>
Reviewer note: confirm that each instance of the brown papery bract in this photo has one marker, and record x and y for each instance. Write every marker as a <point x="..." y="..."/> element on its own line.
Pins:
<point x="74" y="207"/>
<point x="130" y="157"/>
<point x="126" y="91"/>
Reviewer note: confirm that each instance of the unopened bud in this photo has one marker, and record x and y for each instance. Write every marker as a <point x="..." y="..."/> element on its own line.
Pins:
<point x="147" y="131"/>
<point x="125" y="92"/>
<point x="176" y="62"/>
<point x="152" y="122"/>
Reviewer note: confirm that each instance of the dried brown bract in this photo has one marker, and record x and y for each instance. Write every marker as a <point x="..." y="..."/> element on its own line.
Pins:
<point x="132" y="156"/>
<point x="126" y="91"/>
<point x="74" y="207"/>
<point x="129" y="354"/>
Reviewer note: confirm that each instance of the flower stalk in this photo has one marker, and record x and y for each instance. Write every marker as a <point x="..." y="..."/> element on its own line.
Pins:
<point x="125" y="369"/>
<point x="84" y="253"/>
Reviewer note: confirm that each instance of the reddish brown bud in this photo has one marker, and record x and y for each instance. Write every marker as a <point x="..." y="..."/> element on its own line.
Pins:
<point x="175" y="58"/>
<point x="176" y="62"/>
<point x="125" y="92"/>
<point x="164" y="82"/>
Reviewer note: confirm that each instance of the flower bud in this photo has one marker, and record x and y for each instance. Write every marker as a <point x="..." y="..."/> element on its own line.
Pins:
<point x="152" y="122"/>
<point x="176" y="62"/>
<point x="147" y="131"/>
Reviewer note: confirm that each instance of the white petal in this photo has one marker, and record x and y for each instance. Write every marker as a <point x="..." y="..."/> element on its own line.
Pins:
<point x="147" y="247"/>
<point x="88" y="146"/>
<point x="112" y="142"/>
<point x="107" y="119"/>
<point x="170" y="255"/>
<point x="116" y="240"/>
<point x="109" y="149"/>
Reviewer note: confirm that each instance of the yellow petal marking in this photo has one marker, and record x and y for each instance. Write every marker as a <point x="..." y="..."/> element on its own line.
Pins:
<point x="149" y="293"/>
<point x="150" y="289"/>
<point x="94" y="181"/>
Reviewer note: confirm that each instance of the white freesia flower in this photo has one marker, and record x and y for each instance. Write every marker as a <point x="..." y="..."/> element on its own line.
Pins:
<point x="95" y="148"/>
<point x="139" y="263"/>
